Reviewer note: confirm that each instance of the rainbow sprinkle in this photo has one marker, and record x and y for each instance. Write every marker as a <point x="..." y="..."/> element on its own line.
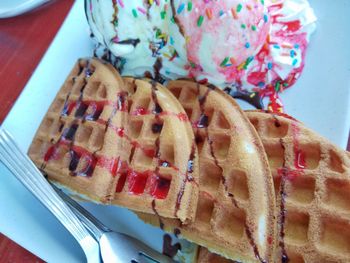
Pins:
<point x="234" y="13"/>
<point x="266" y="18"/>
<point x="200" y="20"/>
<point x="163" y="14"/>
<point x="277" y="86"/>
<point x="142" y="10"/>
<point x="292" y="53"/>
<point x="180" y="8"/>
<point x="224" y="62"/>
<point x="121" y="3"/>
<point x="209" y="13"/>
<point x="189" y="6"/>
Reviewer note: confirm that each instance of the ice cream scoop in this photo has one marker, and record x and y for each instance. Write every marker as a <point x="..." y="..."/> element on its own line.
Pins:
<point x="220" y="36"/>
<point x="138" y="33"/>
<point x="247" y="46"/>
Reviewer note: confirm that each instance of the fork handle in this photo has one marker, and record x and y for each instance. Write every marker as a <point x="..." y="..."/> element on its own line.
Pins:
<point x="90" y="222"/>
<point x="29" y="175"/>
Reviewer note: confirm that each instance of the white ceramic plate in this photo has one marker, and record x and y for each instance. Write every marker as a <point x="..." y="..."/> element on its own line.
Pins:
<point x="321" y="99"/>
<point x="9" y="8"/>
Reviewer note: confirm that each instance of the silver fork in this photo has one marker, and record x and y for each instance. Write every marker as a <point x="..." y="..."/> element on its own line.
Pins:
<point x="114" y="247"/>
<point x="108" y="238"/>
<point x="29" y="175"/>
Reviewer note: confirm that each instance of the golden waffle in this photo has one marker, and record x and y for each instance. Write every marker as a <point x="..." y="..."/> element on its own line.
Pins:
<point x="312" y="182"/>
<point x="157" y="123"/>
<point x="84" y="144"/>
<point x="236" y="209"/>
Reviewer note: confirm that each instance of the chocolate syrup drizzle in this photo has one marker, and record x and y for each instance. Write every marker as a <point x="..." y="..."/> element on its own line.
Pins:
<point x="147" y="5"/>
<point x="177" y="232"/>
<point x="277" y="121"/>
<point x="253" y="98"/>
<point x="157" y="110"/>
<point x="284" y="256"/>
<point x="203" y="123"/>
<point x="157" y="67"/>
<point x="188" y="177"/>
<point x="115" y="13"/>
<point x="130" y="41"/>
<point x="161" y="223"/>
<point x="176" y="20"/>
<point x="169" y="249"/>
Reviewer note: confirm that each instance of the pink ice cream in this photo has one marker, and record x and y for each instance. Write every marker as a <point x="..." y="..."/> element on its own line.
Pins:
<point x="222" y="36"/>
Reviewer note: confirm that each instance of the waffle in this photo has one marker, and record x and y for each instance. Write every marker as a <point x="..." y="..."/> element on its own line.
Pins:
<point x="157" y="122"/>
<point x="236" y="209"/>
<point x="312" y="182"/>
<point x="88" y="143"/>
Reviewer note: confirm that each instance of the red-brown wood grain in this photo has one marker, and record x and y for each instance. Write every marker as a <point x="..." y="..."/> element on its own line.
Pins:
<point x="12" y="253"/>
<point x="23" y="41"/>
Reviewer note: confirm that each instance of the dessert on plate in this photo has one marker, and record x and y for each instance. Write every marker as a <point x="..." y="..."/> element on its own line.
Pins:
<point x="260" y="188"/>
<point x="249" y="186"/>
<point x="128" y="144"/>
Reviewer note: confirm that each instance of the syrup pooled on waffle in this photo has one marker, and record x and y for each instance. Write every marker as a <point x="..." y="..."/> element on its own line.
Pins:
<point x="81" y="145"/>
<point x="236" y="209"/>
<point x="312" y="183"/>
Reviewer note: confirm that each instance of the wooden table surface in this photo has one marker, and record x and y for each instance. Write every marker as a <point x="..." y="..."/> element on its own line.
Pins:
<point x="23" y="42"/>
